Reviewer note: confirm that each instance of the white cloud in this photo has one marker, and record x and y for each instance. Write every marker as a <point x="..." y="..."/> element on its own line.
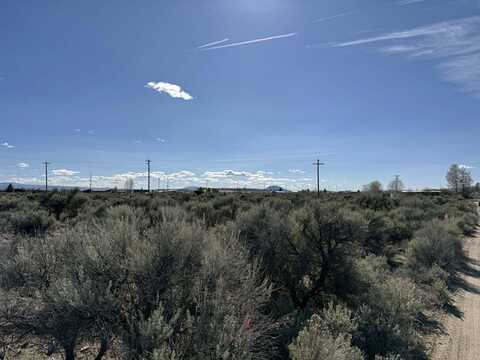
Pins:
<point x="296" y="171"/>
<point x="64" y="172"/>
<point x="254" y="41"/>
<point x="138" y="141"/>
<point x="7" y="145"/>
<point x="76" y="130"/>
<point x="161" y="140"/>
<point x="454" y="44"/>
<point x="173" y="90"/>
<point x="465" y="167"/>
<point x="179" y="179"/>
<point x="23" y="165"/>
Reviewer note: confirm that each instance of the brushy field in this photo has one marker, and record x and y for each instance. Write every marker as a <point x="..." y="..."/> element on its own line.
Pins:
<point x="227" y="276"/>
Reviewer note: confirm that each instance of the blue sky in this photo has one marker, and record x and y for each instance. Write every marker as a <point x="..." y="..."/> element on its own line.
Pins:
<point x="373" y="89"/>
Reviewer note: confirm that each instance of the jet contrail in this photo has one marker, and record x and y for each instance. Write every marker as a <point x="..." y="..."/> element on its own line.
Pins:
<point x="213" y="43"/>
<point x="334" y="17"/>
<point x="251" y="41"/>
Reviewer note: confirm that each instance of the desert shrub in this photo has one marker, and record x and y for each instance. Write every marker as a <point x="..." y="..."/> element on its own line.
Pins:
<point x="468" y="223"/>
<point x="31" y="221"/>
<point x="10" y="202"/>
<point x="75" y="205"/>
<point x="316" y="342"/>
<point x="261" y="228"/>
<point x="225" y="317"/>
<point x="389" y="312"/>
<point x="324" y="236"/>
<point x="64" y="203"/>
<point x="183" y="276"/>
<point x="383" y="231"/>
<point x="388" y="357"/>
<point x="338" y="319"/>
<point x="375" y="201"/>
<point x="412" y="218"/>
<point x="437" y="243"/>
<point x="98" y="279"/>
<point x="120" y="276"/>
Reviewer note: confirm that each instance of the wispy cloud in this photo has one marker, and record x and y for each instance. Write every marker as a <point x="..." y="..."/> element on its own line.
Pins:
<point x="213" y="43"/>
<point x="254" y="41"/>
<point x="64" y="172"/>
<point x="468" y="167"/>
<point x="296" y="171"/>
<point x="408" y="2"/>
<point x="23" y="165"/>
<point x="91" y="132"/>
<point x="333" y="17"/>
<point x="418" y="32"/>
<point x="76" y="130"/>
<point x="455" y="44"/>
<point x="161" y="140"/>
<point x="173" y="90"/>
<point x="7" y="145"/>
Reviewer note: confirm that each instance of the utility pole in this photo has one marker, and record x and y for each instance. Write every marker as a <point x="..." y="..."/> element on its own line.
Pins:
<point x="318" y="164"/>
<point x="158" y="184"/>
<point x="90" y="182"/>
<point x="148" y="162"/>
<point x="397" y="183"/>
<point x="46" y="175"/>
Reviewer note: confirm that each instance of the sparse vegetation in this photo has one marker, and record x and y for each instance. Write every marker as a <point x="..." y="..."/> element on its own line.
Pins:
<point x="228" y="276"/>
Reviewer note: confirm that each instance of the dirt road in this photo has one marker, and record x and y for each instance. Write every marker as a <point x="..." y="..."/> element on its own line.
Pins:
<point x="462" y="327"/>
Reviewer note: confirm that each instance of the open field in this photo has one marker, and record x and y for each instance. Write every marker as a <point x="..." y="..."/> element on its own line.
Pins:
<point x="348" y="276"/>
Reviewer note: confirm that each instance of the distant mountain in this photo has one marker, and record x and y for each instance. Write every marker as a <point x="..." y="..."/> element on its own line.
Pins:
<point x="189" y="189"/>
<point x="275" y="188"/>
<point x="4" y="185"/>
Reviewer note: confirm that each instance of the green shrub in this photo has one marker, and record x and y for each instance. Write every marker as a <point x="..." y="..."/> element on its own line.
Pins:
<point x="437" y="243"/>
<point x="316" y="342"/>
<point x="30" y="222"/>
<point x="468" y="223"/>
<point x="389" y="312"/>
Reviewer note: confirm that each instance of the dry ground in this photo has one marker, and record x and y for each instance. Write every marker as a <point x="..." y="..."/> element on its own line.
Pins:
<point x="462" y="326"/>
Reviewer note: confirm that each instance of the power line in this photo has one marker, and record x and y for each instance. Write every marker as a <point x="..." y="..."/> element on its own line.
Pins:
<point x="318" y="164"/>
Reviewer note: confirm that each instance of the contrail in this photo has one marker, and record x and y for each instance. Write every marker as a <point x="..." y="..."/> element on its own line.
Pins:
<point x="213" y="43"/>
<point x="334" y="17"/>
<point x="251" y="41"/>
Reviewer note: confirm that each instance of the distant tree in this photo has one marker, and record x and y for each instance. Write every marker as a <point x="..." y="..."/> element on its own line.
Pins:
<point x="396" y="185"/>
<point x="459" y="178"/>
<point x="466" y="180"/>
<point x="10" y="188"/>
<point x="374" y="187"/>
<point x="129" y="184"/>
<point x="453" y="177"/>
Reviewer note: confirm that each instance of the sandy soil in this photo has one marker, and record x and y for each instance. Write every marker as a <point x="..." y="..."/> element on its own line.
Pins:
<point x="462" y="326"/>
